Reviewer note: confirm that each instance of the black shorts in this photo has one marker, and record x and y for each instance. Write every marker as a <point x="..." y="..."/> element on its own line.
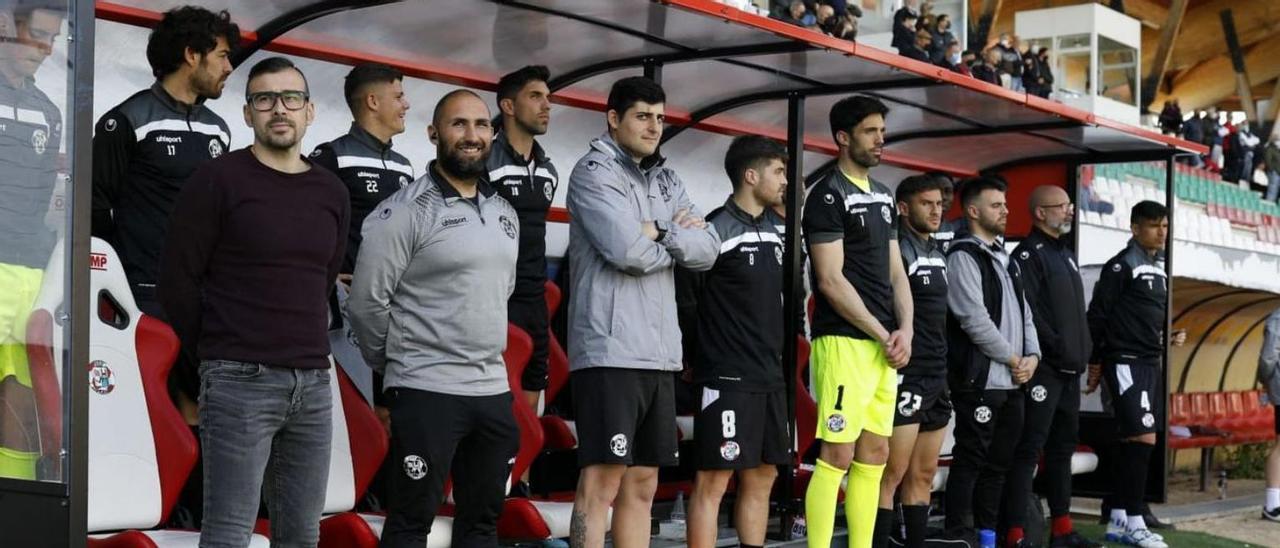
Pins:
<point x="1136" y="395"/>
<point x="625" y="416"/>
<point x="530" y="314"/>
<point x="739" y="430"/>
<point x="923" y="400"/>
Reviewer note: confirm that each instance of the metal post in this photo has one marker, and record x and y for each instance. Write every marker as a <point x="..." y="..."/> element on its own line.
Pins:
<point x="1163" y="440"/>
<point x="653" y="70"/>
<point x="793" y="298"/>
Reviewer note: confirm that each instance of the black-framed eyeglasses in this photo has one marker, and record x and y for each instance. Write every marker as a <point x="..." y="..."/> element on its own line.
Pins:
<point x="264" y="101"/>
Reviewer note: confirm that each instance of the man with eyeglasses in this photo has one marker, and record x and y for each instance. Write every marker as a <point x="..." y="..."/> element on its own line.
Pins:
<point x="1055" y="293"/>
<point x="254" y="246"/>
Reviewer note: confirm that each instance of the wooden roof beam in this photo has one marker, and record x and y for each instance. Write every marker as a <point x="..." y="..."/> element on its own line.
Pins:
<point x="1205" y="84"/>
<point x="1158" y="66"/>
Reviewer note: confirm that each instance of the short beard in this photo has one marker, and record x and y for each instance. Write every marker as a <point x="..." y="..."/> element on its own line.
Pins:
<point x="273" y="142"/>
<point x="1064" y="228"/>
<point x="920" y="227"/>
<point x="530" y="129"/>
<point x="206" y="89"/>
<point x="864" y="158"/>
<point x="992" y="226"/>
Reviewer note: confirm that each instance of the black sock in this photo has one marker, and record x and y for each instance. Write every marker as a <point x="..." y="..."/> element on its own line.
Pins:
<point x="1138" y="457"/>
<point x="884" y="523"/>
<point x="915" y="518"/>
<point x="740" y="545"/>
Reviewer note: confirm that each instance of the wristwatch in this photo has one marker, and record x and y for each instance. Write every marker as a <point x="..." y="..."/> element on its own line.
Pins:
<point x="662" y="230"/>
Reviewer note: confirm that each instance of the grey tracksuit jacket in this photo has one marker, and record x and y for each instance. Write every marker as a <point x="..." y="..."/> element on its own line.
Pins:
<point x="1016" y="334"/>
<point x="428" y="301"/>
<point x="622" y="306"/>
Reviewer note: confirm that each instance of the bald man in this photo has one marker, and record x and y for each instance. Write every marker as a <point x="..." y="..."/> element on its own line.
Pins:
<point x="429" y="305"/>
<point x="1051" y="282"/>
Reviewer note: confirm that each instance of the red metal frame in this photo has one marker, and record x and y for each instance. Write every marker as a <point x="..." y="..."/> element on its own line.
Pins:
<point x="787" y="30"/>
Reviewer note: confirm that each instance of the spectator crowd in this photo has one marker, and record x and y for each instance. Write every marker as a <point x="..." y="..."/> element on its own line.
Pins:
<point x="1236" y="152"/>
<point x="921" y="34"/>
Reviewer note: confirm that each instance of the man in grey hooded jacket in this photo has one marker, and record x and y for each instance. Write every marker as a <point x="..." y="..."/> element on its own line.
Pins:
<point x="632" y="222"/>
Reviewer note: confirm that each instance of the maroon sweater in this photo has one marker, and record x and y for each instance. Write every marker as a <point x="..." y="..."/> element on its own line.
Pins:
<point x="249" y="261"/>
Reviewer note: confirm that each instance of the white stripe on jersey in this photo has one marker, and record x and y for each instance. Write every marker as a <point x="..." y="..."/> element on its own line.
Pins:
<point x="1148" y="269"/>
<point x="177" y="124"/>
<point x="926" y="261"/>
<point x="24" y="115"/>
<point x="517" y="171"/>
<point x="874" y="198"/>
<point x="749" y="238"/>
<point x="375" y="163"/>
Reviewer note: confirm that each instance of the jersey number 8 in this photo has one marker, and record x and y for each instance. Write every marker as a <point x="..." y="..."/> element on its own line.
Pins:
<point x="728" y="425"/>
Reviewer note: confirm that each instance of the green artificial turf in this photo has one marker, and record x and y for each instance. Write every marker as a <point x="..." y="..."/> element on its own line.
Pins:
<point x="1175" y="539"/>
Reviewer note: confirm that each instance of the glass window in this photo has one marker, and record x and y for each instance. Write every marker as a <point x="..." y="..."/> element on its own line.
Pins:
<point x="1073" y="41"/>
<point x="1073" y="73"/>
<point x="34" y="215"/>
<point x="1117" y="71"/>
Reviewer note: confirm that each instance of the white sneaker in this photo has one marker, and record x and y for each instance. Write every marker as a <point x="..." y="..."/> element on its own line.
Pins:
<point x="1143" y="538"/>
<point x="1272" y="514"/>
<point x="1115" y="532"/>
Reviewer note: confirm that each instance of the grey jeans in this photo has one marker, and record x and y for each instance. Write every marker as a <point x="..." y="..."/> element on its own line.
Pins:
<point x="263" y="426"/>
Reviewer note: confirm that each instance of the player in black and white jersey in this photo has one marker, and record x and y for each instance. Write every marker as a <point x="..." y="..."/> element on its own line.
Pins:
<point x="521" y="172"/>
<point x="30" y="133"/>
<point x="363" y="158"/>
<point x="923" y="406"/>
<point x="742" y="422"/>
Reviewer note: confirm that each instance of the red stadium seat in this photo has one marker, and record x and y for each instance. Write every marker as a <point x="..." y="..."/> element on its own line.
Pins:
<point x="141" y="451"/>
<point x="1179" y="409"/>
<point x="1200" y="408"/>
<point x="557" y="360"/>
<point x="1218" y="415"/>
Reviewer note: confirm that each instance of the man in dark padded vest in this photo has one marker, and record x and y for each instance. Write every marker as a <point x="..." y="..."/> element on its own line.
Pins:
<point x="991" y="351"/>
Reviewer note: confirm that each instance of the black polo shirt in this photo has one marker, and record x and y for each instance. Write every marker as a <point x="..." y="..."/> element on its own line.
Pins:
<point x="926" y="268"/>
<point x="372" y="172"/>
<point x="740" y="305"/>
<point x="837" y="209"/>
